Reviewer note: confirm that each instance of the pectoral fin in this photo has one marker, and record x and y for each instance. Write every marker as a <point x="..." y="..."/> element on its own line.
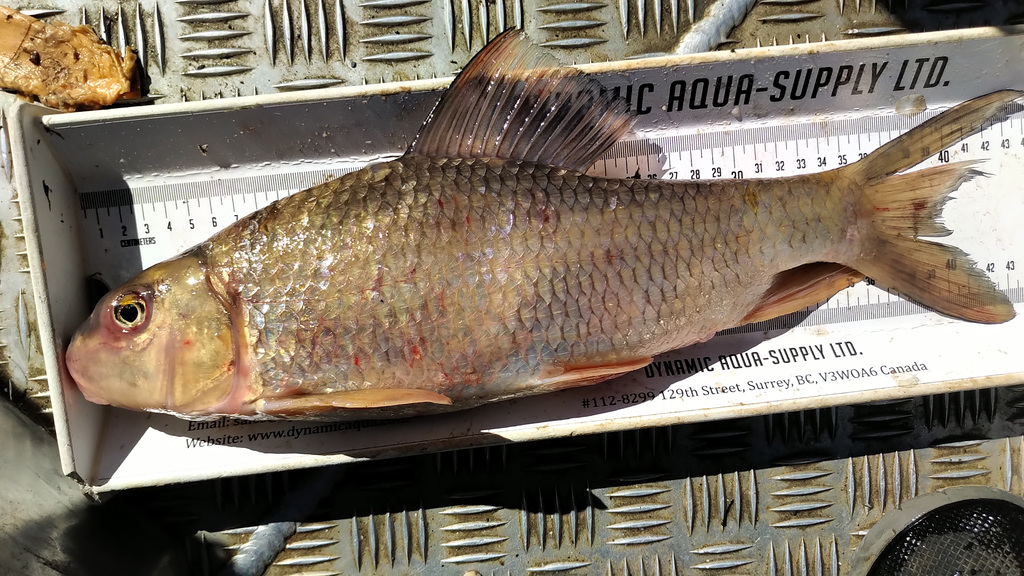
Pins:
<point x="554" y="378"/>
<point x="801" y="287"/>
<point x="351" y="400"/>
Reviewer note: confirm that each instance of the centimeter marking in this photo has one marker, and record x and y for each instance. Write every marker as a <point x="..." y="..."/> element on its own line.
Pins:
<point x="161" y="220"/>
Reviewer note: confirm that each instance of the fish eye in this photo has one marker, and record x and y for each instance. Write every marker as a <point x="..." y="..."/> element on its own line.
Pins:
<point x="130" y="310"/>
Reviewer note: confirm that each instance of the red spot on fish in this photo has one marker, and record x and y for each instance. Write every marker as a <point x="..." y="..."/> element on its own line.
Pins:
<point x="440" y="203"/>
<point x="467" y="220"/>
<point x="440" y="297"/>
<point x="610" y="257"/>
<point x="414" y="354"/>
<point x="355" y="360"/>
<point x="919" y="205"/>
<point x="187" y="342"/>
<point x="378" y="282"/>
<point x="881" y="208"/>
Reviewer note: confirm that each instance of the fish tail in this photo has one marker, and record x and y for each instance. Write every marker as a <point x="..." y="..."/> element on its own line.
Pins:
<point x="944" y="278"/>
<point x="899" y="211"/>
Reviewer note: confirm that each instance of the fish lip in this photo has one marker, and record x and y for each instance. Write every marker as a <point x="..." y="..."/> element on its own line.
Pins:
<point x="74" y="360"/>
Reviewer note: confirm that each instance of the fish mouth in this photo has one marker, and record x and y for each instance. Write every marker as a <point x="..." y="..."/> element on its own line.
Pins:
<point x="76" y="360"/>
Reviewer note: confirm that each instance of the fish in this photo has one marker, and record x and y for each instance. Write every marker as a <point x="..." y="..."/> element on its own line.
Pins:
<point x="484" y="264"/>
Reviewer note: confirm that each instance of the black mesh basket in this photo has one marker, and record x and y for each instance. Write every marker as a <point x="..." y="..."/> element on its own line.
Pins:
<point x="968" y="538"/>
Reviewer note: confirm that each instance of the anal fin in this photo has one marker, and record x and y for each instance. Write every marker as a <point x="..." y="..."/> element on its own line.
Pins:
<point x="554" y="378"/>
<point x="311" y="404"/>
<point x="801" y="287"/>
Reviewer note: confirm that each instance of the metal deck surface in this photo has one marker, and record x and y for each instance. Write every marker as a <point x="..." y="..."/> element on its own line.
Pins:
<point x="195" y="49"/>
<point x="793" y="493"/>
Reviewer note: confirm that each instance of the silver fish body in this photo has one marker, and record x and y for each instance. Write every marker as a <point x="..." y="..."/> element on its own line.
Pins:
<point x="484" y="264"/>
<point x="472" y="276"/>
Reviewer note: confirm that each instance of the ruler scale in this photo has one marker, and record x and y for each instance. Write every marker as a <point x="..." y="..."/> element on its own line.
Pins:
<point x="192" y="211"/>
<point x="139" y="186"/>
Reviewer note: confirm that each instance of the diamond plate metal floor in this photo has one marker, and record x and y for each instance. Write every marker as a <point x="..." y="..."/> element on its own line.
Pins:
<point x="195" y="49"/>
<point x="791" y="493"/>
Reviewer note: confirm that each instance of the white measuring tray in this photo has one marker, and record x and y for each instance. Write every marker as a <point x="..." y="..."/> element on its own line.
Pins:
<point x="107" y="193"/>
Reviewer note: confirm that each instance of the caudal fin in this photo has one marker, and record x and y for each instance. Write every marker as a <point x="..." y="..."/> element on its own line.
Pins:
<point x="903" y="208"/>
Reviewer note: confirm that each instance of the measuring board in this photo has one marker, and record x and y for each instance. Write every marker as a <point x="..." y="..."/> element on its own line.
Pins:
<point x="162" y="221"/>
<point x="162" y="192"/>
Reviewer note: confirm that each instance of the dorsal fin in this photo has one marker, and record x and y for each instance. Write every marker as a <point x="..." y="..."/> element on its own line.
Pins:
<point x="513" y="101"/>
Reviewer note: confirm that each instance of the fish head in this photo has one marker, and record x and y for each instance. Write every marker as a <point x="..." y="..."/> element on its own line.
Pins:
<point x="163" y="342"/>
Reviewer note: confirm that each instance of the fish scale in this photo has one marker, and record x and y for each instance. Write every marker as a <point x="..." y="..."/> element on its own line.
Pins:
<point x="531" y="317"/>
